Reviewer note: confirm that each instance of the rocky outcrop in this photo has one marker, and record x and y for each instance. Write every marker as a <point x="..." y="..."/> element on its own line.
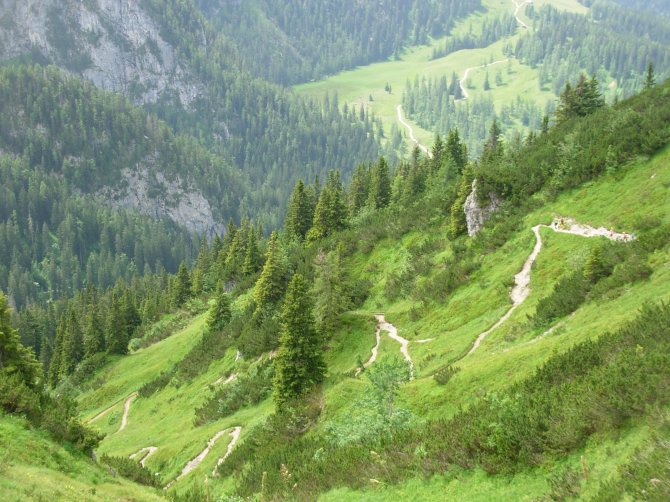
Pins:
<point x="113" y="43"/>
<point x="475" y="214"/>
<point x="152" y="194"/>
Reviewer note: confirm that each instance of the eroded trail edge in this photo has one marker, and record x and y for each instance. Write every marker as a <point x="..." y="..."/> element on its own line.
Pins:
<point x="195" y="462"/>
<point x="126" y="410"/>
<point x="521" y="288"/>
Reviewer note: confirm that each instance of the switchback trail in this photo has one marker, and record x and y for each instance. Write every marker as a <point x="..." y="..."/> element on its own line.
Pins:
<point x="126" y="410"/>
<point x="410" y="130"/>
<point x="392" y="331"/>
<point x="235" y="434"/>
<point x="103" y="412"/>
<point x="521" y="288"/>
<point x="225" y="381"/>
<point x="145" y="453"/>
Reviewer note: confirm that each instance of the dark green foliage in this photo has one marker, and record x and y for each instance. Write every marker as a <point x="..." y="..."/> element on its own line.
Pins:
<point x="568" y="294"/>
<point x="182" y="286"/>
<point x="581" y="101"/>
<point x="299" y="363"/>
<point x="316" y="40"/>
<point x="380" y="185"/>
<point x="249" y="388"/>
<point x="219" y="314"/>
<point x="270" y="285"/>
<point x="330" y="214"/>
<point x="15" y="359"/>
<point x="210" y="347"/>
<point x="158" y="383"/>
<point x="299" y="214"/>
<point x="130" y="469"/>
<point x="650" y="78"/>
<point x="444" y="374"/>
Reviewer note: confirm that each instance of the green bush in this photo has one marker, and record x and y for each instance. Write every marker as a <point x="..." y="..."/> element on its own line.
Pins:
<point x="130" y="469"/>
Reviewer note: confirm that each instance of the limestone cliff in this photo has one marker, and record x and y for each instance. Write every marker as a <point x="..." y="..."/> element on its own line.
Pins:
<point x="475" y="214"/>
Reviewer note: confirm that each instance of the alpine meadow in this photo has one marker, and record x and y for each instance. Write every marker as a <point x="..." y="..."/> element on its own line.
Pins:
<point x="391" y="250"/>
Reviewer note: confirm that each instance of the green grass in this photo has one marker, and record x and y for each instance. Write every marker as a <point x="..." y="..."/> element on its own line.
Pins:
<point x="33" y="467"/>
<point x="638" y="193"/>
<point x="356" y="86"/>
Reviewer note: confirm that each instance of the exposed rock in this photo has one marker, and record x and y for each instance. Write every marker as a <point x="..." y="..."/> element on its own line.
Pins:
<point x="475" y="215"/>
<point x="154" y="195"/>
<point x="113" y="43"/>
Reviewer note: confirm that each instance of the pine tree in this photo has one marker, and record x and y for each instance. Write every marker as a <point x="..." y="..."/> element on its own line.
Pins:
<point x="252" y="258"/>
<point x="219" y="314"/>
<point x="15" y="359"/>
<point x="115" y="333"/>
<point x="182" y="288"/>
<point x="94" y="340"/>
<point x="487" y="84"/>
<point x="73" y="345"/>
<point x="329" y="290"/>
<point x="359" y="188"/>
<point x="650" y="79"/>
<point x="299" y="364"/>
<point x="456" y="150"/>
<point x="270" y="285"/>
<point x="457" y="222"/>
<point x="380" y="185"/>
<point x="299" y="214"/>
<point x="594" y="268"/>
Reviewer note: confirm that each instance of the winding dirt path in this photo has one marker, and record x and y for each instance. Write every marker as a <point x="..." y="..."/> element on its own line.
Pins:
<point x="126" y="410"/>
<point x="103" y="412"/>
<point x="521" y="288"/>
<point x="148" y="451"/>
<point x="410" y="130"/>
<point x="195" y="462"/>
<point x="383" y="325"/>
<point x="234" y="435"/>
<point x="461" y="83"/>
<point x="518" y="8"/>
<point x="225" y="381"/>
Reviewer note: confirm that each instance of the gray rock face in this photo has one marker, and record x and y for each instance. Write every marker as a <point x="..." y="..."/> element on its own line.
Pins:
<point x="113" y="43"/>
<point x="178" y="201"/>
<point x="475" y="215"/>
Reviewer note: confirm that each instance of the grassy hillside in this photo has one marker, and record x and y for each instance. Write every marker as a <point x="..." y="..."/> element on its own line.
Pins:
<point x="34" y="467"/>
<point x="629" y="201"/>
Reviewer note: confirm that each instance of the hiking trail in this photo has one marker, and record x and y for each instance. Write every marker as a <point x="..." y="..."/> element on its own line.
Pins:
<point x="126" y="410"/>
<point x="195" y="462"/>
<point x="521" y="288"/>
<point x="148" y="451"/>
<point x="410" y="130"/>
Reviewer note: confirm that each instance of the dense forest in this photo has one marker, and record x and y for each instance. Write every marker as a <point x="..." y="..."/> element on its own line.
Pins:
<point x="612" y="39"/>
<point x="296" y="41"/>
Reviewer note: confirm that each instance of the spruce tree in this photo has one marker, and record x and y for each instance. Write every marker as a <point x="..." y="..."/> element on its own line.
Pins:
<point x="299" y="364"/>
<point x="15" y="359"/>
<point x="252" y="258"/>
<point x="57" y="355"/>
<point x="115" y="332"/>
<point x="219" y="314"/>
<point x="380" y="185"/>
<point x="299" y="214"/>
<point x="94" y="340"/>
<point x="329" y="290"/>
<point x="73" y="345"/>
<point x="182" y="287"/>
<point x="359" y="188"/>
<point x="270" y="285"/>
<point x="456" y="150"/>
<point x="650" y="79"/>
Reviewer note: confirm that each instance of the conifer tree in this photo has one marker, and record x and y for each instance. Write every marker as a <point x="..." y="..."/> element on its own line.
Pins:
<point x="650" y="79"/>
<point x="57" y="354"/>
<point x="115" y="331"/>
<point x="328" y="290"/>
<point x="15" y="359"/>
<point x="457" y="222"/>
<point x="182" y="287"/>
<point x="380" y="185"/>
<point x="73" y="345"/>
<point x="299" y="214"/>
<point x="359" y="188"/>
<point x="252" y="258"/>
<point x="299" y="364"/>
<point x="456" y="150"/>
<point x="219" y="314"/>
<point x="94" y="340"/>
<point x="270" y="285"/>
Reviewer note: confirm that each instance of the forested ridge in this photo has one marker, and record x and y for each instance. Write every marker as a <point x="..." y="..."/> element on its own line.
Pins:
<point x="296" y="41"/>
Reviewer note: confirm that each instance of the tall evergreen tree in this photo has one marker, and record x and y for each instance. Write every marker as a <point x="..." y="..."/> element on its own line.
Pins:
<point x="15" y="359"/>
<point x="116" y="339"/>
<point x="359" y="188"/>
<point x="299" y="214"/>
<point x="380" y="185"/>
<point x="456" y="150"/>
<point x="252" y="257"/>
<point x="270" y="285"/>
<point x="73" y="345"/>
<point x="329" y="290"/>
<point x="650" y="78"/>
<point x="94" y="340"/>
<point x="299" y="364"/>
<point x="219" y="314"/>
<point x="182" y="288"/>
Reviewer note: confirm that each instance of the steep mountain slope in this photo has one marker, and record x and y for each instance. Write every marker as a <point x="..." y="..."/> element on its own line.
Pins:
<point x="440" y="301"/>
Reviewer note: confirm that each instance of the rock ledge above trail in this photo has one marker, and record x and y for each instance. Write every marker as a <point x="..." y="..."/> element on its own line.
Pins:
<point x="475" y="215"/>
